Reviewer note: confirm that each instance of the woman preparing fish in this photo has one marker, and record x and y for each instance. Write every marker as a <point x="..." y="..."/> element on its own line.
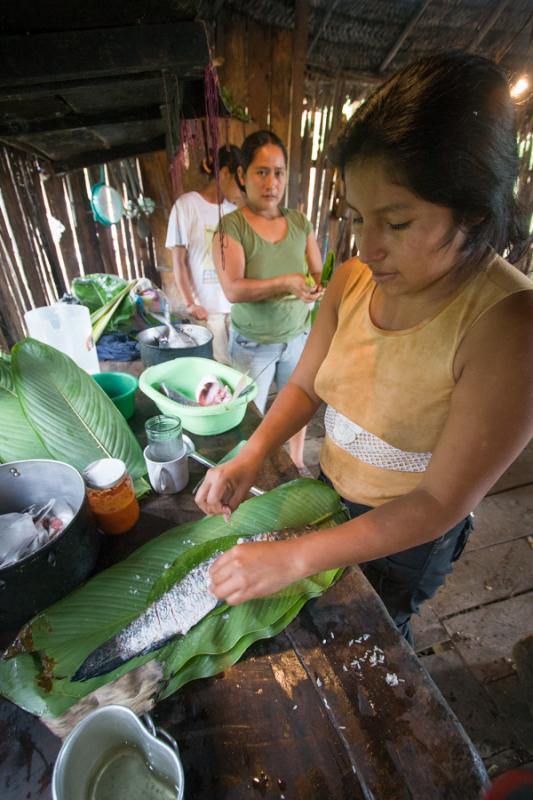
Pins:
<point x="270" y="270"/>
<point x="422" y="349"/>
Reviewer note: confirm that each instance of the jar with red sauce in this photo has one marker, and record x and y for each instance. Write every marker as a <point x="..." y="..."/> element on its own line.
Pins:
<point x="111" y="495"/>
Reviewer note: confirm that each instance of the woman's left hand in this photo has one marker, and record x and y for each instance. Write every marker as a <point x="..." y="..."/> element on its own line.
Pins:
<point x="253" y="569"/>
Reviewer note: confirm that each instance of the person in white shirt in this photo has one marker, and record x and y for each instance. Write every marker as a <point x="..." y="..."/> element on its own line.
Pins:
<point x="192" y="223"/>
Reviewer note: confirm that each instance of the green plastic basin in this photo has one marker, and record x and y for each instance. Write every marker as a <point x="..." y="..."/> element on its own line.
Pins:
<point x="120" y="388"/>
<point x="184" y="374"/>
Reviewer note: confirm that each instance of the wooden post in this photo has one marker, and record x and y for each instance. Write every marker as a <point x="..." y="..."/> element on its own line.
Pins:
<point x="301" y="32"/>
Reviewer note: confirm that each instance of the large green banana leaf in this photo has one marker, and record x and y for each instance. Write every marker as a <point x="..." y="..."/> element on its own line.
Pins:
<point x="60" y="638"/>
<point x="72" y="418"/>
<point x="18" y="440"/>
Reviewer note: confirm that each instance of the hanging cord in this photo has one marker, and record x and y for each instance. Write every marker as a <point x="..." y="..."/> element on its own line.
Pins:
<point x="211" y="115"/>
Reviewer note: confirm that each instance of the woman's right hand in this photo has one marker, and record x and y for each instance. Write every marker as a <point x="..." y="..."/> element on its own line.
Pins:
<point x="225" y="487"/>
<point x="197" y="312"/>
<point x="296" y="284"/>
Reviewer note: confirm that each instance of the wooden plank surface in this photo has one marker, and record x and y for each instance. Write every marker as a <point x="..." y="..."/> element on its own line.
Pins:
<point x="485" y="636"/>
<point x="502" y="517"/>
<point x="428" y="630"/>
<point x="484" y="576"/>
<point x="470" y="700"/>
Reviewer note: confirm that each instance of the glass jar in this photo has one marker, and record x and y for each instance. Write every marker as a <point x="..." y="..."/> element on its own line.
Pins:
<point x="111" y="495"/>
<point x="164" y="438"/>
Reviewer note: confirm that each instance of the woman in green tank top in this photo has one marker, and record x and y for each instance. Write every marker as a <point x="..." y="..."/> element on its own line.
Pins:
<point x="264" y="255"/>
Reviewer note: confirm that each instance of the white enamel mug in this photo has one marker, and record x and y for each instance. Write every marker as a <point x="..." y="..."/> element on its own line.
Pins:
<point x="168" y="477"/>
<point x="99" y="733"/>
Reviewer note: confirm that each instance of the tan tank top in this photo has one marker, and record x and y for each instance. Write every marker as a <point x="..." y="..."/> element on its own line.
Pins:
<point x="388" y="392"/>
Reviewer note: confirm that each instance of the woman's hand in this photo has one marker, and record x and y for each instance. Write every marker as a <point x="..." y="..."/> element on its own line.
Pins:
<point x="296" y="284"/>
<point x="197" y="311"/>
<point x="226" y="486"/>
<point x="253" y="569"/>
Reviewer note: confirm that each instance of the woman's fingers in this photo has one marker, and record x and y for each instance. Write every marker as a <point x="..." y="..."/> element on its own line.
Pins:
<point x="220" y="493"/>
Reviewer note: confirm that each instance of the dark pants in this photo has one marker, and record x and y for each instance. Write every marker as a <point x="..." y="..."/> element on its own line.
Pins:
<point x="404" y="580"/>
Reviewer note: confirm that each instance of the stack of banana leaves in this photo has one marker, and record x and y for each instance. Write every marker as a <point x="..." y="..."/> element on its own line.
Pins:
<point x="106" y="627"/>
<point x="50" y="408"/>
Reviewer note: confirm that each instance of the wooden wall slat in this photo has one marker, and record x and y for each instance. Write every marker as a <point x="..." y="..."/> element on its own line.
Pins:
<point x="21" y="234"/>
<point x="280" y="111"/>
<point x="234" y="70"/>
<point x="259" y="72"/>
<point x="55" y="193"/>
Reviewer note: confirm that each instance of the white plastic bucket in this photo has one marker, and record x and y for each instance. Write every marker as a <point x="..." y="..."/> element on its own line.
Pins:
<point x="67" y="328"/>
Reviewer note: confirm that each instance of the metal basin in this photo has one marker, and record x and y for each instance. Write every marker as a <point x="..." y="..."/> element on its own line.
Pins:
<point x="152" y="354"/>
<point x="46" y="575"/>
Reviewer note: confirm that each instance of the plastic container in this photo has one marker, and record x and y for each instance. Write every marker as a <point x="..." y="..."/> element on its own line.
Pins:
<point x="68" y="329"/>
<point x="163" y="434"/>
<point x="110" y="495"/>
<point x="185" y="374"/>
<point x="120" y="388"/>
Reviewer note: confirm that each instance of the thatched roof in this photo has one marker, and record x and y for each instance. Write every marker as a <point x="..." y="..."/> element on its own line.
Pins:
<point x="371" y="38"/>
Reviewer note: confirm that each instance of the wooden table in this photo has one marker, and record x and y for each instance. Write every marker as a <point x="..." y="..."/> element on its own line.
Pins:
<point x="337" y="707"/>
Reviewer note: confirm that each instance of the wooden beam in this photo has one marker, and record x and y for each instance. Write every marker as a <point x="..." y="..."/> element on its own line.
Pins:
<point x="326" y="18"/>
<point x="103" y="156"/>
<point x="485" y="28"/>
<point x="73" y="121"/>
<point x="403" y="36"/>
<point x="301" y="32"/>
<point x="71" y="55"/>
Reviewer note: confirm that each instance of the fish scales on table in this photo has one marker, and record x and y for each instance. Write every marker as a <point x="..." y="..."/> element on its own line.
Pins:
<point x="173" y="614"/>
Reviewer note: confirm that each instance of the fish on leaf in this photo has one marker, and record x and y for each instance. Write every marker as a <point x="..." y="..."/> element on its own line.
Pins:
<point x="173" y="614"/>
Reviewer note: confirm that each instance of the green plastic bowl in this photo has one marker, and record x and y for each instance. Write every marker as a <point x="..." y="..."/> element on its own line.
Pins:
<point x="120" y="388"/>
<point x="184" y="374"/>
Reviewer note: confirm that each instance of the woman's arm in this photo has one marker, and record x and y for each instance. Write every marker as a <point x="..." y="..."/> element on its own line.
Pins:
<point x="183" y="280"/>
<point x="226" y="486"/>
<point x="231" y="269"/>
<point x="489" y="423"/>
<point x="314" y="259"/>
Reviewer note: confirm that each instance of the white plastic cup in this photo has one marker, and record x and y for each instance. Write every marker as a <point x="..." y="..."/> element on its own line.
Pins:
<point x="168" y="477"/>
<point x="68" y="329"/>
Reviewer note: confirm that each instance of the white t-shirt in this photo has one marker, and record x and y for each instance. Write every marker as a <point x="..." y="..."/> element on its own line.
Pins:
<point x="191" y="224"/>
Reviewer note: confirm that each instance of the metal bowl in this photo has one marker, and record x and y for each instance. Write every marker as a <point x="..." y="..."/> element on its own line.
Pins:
<point x="47" y="574"/>
<point x="152" y="354"/>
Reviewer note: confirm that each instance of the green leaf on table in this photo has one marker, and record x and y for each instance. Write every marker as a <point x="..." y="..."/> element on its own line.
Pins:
<point x="63" y="635"/>
<point x="18" y="440"/>
<point x="69" y="412"/>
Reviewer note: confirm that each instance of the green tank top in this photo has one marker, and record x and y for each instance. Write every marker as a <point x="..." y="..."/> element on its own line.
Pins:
<point x="282" y="318"/>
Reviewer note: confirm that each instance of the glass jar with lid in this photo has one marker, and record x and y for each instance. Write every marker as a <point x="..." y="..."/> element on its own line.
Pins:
<point x="164" y="438"/>
<point x="111" y="495"/>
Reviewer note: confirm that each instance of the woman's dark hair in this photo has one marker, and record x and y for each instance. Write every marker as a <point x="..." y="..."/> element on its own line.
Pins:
<point x="253" y="143"/>
<point x="228" y="156"/>
<point x="445" y="129"/>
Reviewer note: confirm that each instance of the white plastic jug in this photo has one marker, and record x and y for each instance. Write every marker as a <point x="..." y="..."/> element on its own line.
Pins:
<point x="67" y="328"/>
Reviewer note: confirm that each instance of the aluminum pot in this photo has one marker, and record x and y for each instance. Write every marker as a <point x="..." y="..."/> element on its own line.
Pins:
<point x="98" y="736"/>
<point x="46" y="575"/>
<point x="152" y="354"/>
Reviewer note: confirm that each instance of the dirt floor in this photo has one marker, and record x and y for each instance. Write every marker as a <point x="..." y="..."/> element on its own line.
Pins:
<point x="465" y="635"/>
